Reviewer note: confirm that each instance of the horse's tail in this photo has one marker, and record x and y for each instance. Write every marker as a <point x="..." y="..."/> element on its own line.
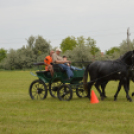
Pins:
<point x="85" y="76"/>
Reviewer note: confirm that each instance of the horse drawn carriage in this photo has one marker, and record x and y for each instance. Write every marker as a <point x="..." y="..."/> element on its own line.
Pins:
<point x="58" y="85"/>
<point x="101" y="72"/>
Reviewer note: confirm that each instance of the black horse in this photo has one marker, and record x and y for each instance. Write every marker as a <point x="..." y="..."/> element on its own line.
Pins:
<point x="103" y="71"/>
<point x="103" y="85"/>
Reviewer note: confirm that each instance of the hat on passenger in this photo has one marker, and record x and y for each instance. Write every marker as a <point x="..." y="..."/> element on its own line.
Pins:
<point x="58" y="49"/>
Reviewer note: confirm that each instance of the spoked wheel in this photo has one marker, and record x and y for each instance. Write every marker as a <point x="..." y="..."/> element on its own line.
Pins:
<point x="53" y="89"/>
<point x="38" y="90"/>
<point x="65" y="93"/>
<point x="80" y="92"/>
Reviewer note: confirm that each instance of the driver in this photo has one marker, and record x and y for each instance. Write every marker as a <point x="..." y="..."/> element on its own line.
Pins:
<point x="60" y="61"/>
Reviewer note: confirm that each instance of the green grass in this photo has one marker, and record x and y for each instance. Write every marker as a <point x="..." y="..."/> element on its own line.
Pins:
<point x="21" y="115"/>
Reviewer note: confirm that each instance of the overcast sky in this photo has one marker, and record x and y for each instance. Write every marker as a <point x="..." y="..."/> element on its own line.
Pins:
<point x="106" y="21"/>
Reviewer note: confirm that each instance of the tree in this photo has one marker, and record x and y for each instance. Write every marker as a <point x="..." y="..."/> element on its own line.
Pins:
<point x="31" y="41"/>
<point x="38" y="44"/>
<point x="41" y="46"/>
<point x="83" y="51"/>
<point x="90" y="46"/>
<point x="93" y="48"/>
<point x="79" y="55"/>
<point x="35" y="51"/>
<point x="68" y="44"/>
<point x="19" y="59"/>
<point x="3" y="54"/>
<point x="112" y="50"/>
<point x="124" y="46"/>
<point x="116" y="52"/>
<point x="9" y="62"/>
<point x="25" y="58"/>
<point x="81" y="41"/>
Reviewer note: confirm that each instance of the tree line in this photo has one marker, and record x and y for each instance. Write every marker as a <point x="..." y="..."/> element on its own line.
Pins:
<point x="76" y="49"/>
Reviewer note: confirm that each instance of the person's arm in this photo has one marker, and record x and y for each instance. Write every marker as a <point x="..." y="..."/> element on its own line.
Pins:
<point x="56" y="60"/>
<point x="45" y="62"/>
<point x="62" y="62"/>
<point x="49" y="66"/>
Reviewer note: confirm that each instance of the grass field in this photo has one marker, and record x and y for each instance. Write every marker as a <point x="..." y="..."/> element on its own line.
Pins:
<point x="21" y="115"/>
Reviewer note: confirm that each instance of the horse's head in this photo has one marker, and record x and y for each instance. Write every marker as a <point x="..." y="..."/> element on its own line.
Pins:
<point x="128" y="58"/>
<point x="132" y="59"/>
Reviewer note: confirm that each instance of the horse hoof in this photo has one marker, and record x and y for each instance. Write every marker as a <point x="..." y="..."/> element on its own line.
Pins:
<point x="102" y="98"/>
<point x="115" y="99"/>
<point x="129" y="99"/>
<point x="133" y="94"/>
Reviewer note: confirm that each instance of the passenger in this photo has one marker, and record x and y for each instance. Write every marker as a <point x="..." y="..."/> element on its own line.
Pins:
<point x="59" y="60"/>
<point x="71" y="67"/>
<point x="47" y="62"/>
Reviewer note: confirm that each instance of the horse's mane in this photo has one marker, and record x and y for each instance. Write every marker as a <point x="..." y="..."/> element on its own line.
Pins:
<point x="123" y="57"/>
<point x="120" y="59"/>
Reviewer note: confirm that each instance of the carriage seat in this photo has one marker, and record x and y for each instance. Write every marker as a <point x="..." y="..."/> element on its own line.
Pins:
<point x="58" y="68"/>
<point x="44" y="72"/>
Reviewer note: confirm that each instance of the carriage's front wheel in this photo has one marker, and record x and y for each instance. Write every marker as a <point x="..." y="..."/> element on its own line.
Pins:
<point x="65" y="93"/>
<point x="38" y="90"/>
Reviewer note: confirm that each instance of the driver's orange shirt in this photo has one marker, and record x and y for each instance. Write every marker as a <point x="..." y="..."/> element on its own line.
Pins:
<point x="47" y="60"/>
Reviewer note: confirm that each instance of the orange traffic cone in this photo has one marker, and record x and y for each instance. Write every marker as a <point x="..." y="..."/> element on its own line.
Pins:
<point x="93" y="99"/>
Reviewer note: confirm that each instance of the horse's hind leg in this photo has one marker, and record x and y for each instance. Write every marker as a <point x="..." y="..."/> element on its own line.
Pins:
<point x="90" y="84"/>
<point x="117" y="92"/>
<point x="98" y="89"/>
<point x="103" y="86"/>
<point x="126" y="87"/>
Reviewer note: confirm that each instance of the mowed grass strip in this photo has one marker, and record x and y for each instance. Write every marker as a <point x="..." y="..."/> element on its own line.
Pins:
<point x="21" y="115"/>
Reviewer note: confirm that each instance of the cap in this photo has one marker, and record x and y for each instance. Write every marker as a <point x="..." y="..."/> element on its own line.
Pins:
<point x="58" y="49"/>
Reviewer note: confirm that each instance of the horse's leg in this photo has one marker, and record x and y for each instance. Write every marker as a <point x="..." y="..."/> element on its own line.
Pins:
<point x="126" y="87"/>
<point x="90" y="84"/>
<point x="103" y="86"/>
<point x="98" y="89"/>
<point x="118" y="90"/>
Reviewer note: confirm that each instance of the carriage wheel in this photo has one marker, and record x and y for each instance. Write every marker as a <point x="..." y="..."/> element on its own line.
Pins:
<point x="53" y="89"/>
<point x="65" y="93"/>
<point x="80" y="92"/>
<point x="38" y="90"/>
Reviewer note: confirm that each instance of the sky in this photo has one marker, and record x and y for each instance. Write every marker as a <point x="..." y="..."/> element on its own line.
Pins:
<point x="105" y="21"/>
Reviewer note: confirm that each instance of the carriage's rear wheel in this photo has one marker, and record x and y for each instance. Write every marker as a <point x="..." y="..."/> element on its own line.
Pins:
<point x="65" y="93"/>
<point x="38" y="90"/>
<point x="53" y="88"/>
